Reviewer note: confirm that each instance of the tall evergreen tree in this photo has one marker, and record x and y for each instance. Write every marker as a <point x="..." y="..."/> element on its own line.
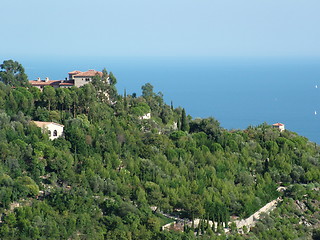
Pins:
<point x="125" y="103"/>
<point x="49" y="95"/>
<point x="184" y="121"/>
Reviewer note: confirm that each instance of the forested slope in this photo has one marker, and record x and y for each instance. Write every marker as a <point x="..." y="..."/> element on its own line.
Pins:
<point x="99" y="181"/>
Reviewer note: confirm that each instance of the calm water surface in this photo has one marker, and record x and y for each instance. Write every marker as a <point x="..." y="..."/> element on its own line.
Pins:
<point x="237" y="92"/>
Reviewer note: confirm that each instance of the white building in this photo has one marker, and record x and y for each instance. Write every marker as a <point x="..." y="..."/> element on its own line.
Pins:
<point x="279" y="126"/>
<point x="55" y="130"/>
<point x="146" y="116"/>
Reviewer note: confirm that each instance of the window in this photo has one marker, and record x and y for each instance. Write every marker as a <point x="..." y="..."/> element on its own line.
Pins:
<point x="55" y="133"/>
<point x="87" y="79"/>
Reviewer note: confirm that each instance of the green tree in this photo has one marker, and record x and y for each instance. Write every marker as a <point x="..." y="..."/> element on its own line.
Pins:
<point x="49" y="96"/>
<point x="13" y="74"/>
<point x="11" y="104"/>
<point x="147" y="90"/>
<point x="184" y="121"/>
<point x="112" y="79"/>
<point x="60" y="97"/>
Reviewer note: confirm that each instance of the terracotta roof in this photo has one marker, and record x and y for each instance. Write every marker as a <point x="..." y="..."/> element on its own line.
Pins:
<point x="74" y="72"/>
<point x="278" y="124"/>
<point x="66" y="84"/>
<point x="44" y="83"/>
<point x="90" y="73"/>
<point x="44" y="124"/>
<point x="52" y="82"/>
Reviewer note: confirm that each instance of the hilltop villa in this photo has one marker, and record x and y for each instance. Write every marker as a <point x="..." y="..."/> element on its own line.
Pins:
<point x="82" y="78"/>
<point x="55" y="130"/>
<point x="76" y="78"/>
<point x="279" y="126"/>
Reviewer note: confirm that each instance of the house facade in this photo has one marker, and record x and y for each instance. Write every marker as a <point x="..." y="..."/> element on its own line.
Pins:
<point x="82" y="78"/>
<point x="55" y="130"/>
<point x="279" y="126"/>
<point x="146" y="116"/>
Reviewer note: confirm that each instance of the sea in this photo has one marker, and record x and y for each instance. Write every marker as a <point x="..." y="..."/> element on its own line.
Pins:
<point x="238" y="92"/>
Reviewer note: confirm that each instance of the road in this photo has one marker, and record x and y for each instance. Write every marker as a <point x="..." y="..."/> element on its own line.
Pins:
<point x="248" y="222"/>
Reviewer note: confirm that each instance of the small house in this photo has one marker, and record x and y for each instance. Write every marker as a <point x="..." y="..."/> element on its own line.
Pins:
<point x="146" y="116"/>
<point x="279" y="126"/>
<point x="55" y="130"/>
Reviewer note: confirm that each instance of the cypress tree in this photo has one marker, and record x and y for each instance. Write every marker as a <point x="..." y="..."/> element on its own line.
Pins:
<point x="125" y="103"/>
<point x="179" y="124"/>
<point x="184" y="121"/>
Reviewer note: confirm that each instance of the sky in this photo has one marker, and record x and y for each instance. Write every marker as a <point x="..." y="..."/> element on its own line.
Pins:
<point x="194" y="28"/>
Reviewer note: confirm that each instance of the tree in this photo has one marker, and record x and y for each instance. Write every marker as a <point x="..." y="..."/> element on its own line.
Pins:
<point x="87" y="95"/>
<point x="11" y="104"/>
<point x="24" y="99"/>
<point x="147" y="90"/>
<point x="105" y="86"/>
<point x="36" y="93"/>
<point x="184" y="121"/>
<point x="112" y="79"/>
<point x="13" y="74"/>
<point x="67" y="99"/>
<point x="74" y="99"/>
<point x="49" y="95"/>
<point x="26" y="186"/>
<point x="125" y="102"/>
<point x="165" y="114"/>
<point x="60" y="95"/>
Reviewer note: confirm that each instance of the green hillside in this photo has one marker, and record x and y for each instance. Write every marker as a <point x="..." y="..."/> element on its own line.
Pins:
<point x="101" y="179"/>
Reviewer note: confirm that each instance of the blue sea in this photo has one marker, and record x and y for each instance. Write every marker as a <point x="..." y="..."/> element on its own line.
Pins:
<point x="238" y="92"/>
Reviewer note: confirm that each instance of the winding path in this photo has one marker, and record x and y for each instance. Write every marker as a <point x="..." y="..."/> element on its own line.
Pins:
<point x="248" y="222"/>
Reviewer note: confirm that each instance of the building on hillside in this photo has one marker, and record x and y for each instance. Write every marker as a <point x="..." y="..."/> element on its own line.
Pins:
<point x="55" y="130"/>
<point x="73" y="73"/>
<point x="279" y="126"/>
<point x="146" y="116"/>
<point x="54" y="83"/>
<point x="76" y="78"/>
<point x="82" y="78"/>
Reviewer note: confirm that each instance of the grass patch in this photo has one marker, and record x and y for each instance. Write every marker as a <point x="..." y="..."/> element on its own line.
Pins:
<point x="163" y="219"/>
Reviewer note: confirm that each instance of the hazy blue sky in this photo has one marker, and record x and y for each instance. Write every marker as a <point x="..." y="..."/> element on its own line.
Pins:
<point x="159" y="28"/>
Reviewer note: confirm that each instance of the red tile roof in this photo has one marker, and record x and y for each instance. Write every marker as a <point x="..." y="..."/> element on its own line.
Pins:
<point x="74" y="72"/>
<point x="51" y="83"/>
<point x="278" y="124"/>
<point x="67" y="84"/>
<point x="45" y="83"/>
<point x="90" y="73"/>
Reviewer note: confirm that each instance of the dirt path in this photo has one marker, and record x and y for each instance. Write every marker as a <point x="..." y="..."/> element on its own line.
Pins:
<point x="252" y="220"/>
<point x="248" y="222"/>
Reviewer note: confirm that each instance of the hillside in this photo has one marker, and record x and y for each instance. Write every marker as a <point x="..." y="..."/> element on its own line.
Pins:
<point x="101" y="179"/>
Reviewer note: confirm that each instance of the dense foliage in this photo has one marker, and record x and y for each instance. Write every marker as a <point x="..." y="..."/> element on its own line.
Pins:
<point x="99" y="181"/>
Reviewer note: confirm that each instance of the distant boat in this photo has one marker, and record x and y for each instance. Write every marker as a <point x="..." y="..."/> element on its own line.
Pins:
<point x="315" y="112"/>
<point x="316" y="86"/>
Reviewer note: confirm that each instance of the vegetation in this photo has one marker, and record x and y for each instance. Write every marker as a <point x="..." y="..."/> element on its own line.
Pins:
<point x="100" y="180"/>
